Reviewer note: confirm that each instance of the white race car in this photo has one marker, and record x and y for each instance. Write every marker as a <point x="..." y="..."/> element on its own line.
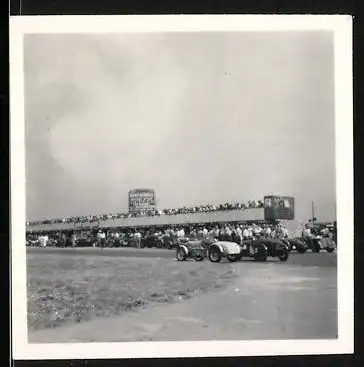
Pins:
<point x="224" y="249"/>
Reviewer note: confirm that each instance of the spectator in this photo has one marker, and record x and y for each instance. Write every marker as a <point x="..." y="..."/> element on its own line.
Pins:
<point x="221" y="234"/>
<point x="153" y="212"/>
<point x="227" y="234"/>
<point x="74" y="240"/>
<point x="101" y="238"/>
<point x="239" y="234"/>
<point x="181" y="233"/>
<point x="215" y="232"/>
<point x="257" y="230"/>
<point x="205" y="232"/>
<point x="267" y="231"/>
<point x="43" y="240"/>
<point x="307" y="232"/>
<point x="138" y="238"/>
<point x="234" y="236"/>
<point x="124" y="237"/>
<point x="246" y="233"/>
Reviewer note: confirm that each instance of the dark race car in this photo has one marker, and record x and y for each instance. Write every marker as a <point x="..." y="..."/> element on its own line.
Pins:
<point x="33" y="242"/>
<point x="328" y="244"/>
<point x="152" y="241"/>
<point x="132" y="241"/>
<point x="191" y="249"/>
<point x="318" y="243"/>
<point x="85" y="241"/>
<point x="168" y="242"/>
<point x="260" y="249"/>
<point x="297" y="244"/>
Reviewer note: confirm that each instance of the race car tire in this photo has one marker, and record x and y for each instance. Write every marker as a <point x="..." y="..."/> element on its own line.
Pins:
<point x="181" y="254"/>
<point x="283" y="256"/>
<point x="260" y="257"/>
<point x="199" y="258"/>
<point x="289" y="245"/>
<point x="215" y="255"/>
<point x="316" y="249"/>
<point x="316" y="246"/>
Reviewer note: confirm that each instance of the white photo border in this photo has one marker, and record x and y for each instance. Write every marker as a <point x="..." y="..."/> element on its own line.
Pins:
<point x="341" y="26"/>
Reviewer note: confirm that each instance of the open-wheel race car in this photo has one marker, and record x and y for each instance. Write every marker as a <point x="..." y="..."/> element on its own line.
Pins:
<point x="151" y="240"/>
<point x="260" y="249"/>
<point x="191" y="249"/>
<point x="32" y="242"/>
<point x="218" y="250"/>
<point x="328" y="244"/>
<point x="318" y="243"/>
<point x="297" y="244"/>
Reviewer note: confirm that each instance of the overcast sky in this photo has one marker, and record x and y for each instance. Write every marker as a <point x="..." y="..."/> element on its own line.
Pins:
<point x="200" y="118"/>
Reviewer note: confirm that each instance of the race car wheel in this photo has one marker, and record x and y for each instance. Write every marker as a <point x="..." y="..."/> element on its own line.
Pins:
<point x="283" y="256"/>
<point x="260" y="257"/>
<point x="215" y="255"/>
<point x="316" y="248"/>
<point x="181" y="254"/>
<point x="289" y="245"/>
<point x="329" y="249"/>
<point x="199" y="257"/>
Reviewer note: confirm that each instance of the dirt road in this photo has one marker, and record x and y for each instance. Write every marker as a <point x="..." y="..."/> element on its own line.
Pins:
<point x="270" y="300"/>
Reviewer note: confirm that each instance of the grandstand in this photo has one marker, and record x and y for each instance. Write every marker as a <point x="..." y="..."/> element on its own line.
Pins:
<point x="255" y="213"/>
<point x="250" y="214"/>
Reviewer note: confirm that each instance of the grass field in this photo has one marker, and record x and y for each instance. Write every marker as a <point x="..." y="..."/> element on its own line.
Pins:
<point x="74" y="288"/>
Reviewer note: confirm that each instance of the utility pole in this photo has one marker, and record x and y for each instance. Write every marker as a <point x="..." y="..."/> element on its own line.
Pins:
<point x="313" y="213"/>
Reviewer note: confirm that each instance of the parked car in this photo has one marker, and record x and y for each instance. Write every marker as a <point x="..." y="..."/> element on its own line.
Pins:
<point x="85" y="241"/>
<point x="152" y="241"/>
<point x="32" y="242"/>
<point x="260" y="249"/>
<point x="132" y="241"/>
<point x="187" y="249"/>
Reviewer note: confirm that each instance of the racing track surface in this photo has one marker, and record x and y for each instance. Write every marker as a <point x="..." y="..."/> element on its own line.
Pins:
<point x="308" y="259"/>
<point x="271" y="300"/>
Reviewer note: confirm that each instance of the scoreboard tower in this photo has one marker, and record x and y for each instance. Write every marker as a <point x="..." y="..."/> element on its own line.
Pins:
<point x="278" y="208"/>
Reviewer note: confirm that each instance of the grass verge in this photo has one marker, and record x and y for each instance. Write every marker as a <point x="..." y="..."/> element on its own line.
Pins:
<point x="66" y="289"/>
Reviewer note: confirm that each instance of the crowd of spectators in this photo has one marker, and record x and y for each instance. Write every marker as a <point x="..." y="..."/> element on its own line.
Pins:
<point x="162" y="236"/>
<point x="151" y="213"/>
<point x="135" y="237"/>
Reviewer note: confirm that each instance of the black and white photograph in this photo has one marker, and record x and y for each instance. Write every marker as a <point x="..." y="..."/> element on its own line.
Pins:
<point x="181" y="179"/>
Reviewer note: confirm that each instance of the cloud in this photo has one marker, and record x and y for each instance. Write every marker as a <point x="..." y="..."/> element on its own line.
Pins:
<point x="199" y="118"/>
